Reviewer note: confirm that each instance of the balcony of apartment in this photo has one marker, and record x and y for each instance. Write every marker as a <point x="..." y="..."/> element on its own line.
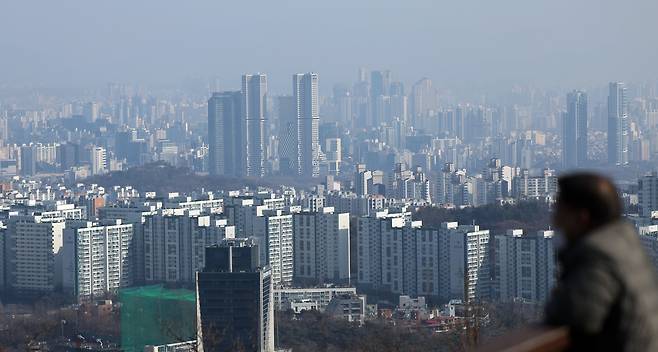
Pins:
<point x="530" y="339"/>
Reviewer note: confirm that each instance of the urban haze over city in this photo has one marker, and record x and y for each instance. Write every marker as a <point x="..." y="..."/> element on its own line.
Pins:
<point x="307" y="176"/>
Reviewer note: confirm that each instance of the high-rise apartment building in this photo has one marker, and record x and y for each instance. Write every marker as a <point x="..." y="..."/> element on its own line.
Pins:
<point x="33" y="253"/>
<point x="175" y="242"/>
<point x="234" y="300"/>
<point x="322" y="246"/>
<point x="398" y="255"/>
<point x="305" y="90"/>
<point x="523" y="266"/>
<point x="254" y="94"/>
<point x="273" y="231"/>
<point x="617" y="124"/>
<point x="225" y="134"/>
<point x="574" y="135"/>
<point x="97" y="259"/>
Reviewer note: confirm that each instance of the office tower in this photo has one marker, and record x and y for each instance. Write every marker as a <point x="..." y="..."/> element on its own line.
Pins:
<point x="33" y="253"/>
<point x="225" y="134"/>
<point x="98" y="159"/>
<point x="68" y="155"/>
<point x="322" y="246"/>
<point x="525" y="266"/>
<point x="423" y="98"/>
<point x="254" y="93"/>
<point x="28" y="160"/>
<point x="175" y="241"/>
<point x="460" y="123"/>
<point x="380" y="83"/>
<point x="617" y="124"/>
<point x="305" y="90"/>
<point x="91" y="112"/>
<point x="380" y="101"/>
<point x="234" y="300"/>
<point x="363" y="182"/>
<point x="288" y="143"/>
<point x="574" y="135"/>
<point x="97" y="259"/>
<point x="4" y="130"/>
<point x="273" y="231"/>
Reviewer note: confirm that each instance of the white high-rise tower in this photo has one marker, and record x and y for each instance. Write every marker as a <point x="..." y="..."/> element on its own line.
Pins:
<point x="617" y="124"/>
<point x="305" y="90"/>
<point x="254" y="93"/>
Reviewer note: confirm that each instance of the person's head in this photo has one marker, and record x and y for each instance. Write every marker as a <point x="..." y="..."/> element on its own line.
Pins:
<point x="585" y="202"/>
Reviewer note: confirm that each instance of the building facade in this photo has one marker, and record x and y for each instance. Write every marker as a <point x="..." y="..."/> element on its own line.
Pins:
<point x="322" y="246"/>
<point x="243" y="319"/>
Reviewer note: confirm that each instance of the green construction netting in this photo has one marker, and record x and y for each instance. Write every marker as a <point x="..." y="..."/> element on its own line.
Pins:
<point x="154" y="315"/>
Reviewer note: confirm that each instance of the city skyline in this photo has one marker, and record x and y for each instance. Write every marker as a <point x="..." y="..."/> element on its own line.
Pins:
<point x="341" y="176"/>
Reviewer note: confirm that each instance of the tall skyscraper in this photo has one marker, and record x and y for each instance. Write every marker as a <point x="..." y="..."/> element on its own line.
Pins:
<point x="574" y="134"/>
<point x="234" y="300"/>
<point x="254" y="93"/>
<point x="225" y="134"/>
<point x="423" y="98"/>
<point x="617" y="124"/>
<point x="380" y="83"/>
<point x="91" y="111"/>
<point x="380" y="86"/>
<point x="305" y="89"/>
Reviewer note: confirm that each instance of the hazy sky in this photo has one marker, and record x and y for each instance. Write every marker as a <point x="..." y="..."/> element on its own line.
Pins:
<point x="458" y="42"/>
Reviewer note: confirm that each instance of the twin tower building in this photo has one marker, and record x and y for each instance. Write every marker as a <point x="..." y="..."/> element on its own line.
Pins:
<point x="237" y="129"/>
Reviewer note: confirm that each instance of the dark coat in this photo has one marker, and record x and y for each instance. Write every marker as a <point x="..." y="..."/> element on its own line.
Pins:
<point x="607" y="292"/>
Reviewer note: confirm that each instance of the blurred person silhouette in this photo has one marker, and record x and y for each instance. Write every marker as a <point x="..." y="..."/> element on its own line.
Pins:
<point x="607" y="290"/>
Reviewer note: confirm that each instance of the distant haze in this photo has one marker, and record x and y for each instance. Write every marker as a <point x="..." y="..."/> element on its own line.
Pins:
<point x="461" y="42"/>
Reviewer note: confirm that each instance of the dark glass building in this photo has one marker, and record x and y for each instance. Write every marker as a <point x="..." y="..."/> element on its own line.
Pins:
<point x="234" y="299"/>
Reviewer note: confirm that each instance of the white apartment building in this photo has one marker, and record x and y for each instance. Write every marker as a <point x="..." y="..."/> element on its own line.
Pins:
<point x="97" y="259"/>
<point x="322" y="246"/>
<point x="405" y="258"/>
<point x="273" y="232"/>
<point x="32" y="253"/>
<point x="526" y="186"/>
<point x="523" y="266"/>
<point x="175" y="241"/>
<point x="135" y="215"/>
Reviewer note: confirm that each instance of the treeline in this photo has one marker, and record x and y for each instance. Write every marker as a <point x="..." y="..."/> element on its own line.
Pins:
<point x="162" y="177"/>
<point x="315" y="331"/>
<point x="527" y="215"/>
